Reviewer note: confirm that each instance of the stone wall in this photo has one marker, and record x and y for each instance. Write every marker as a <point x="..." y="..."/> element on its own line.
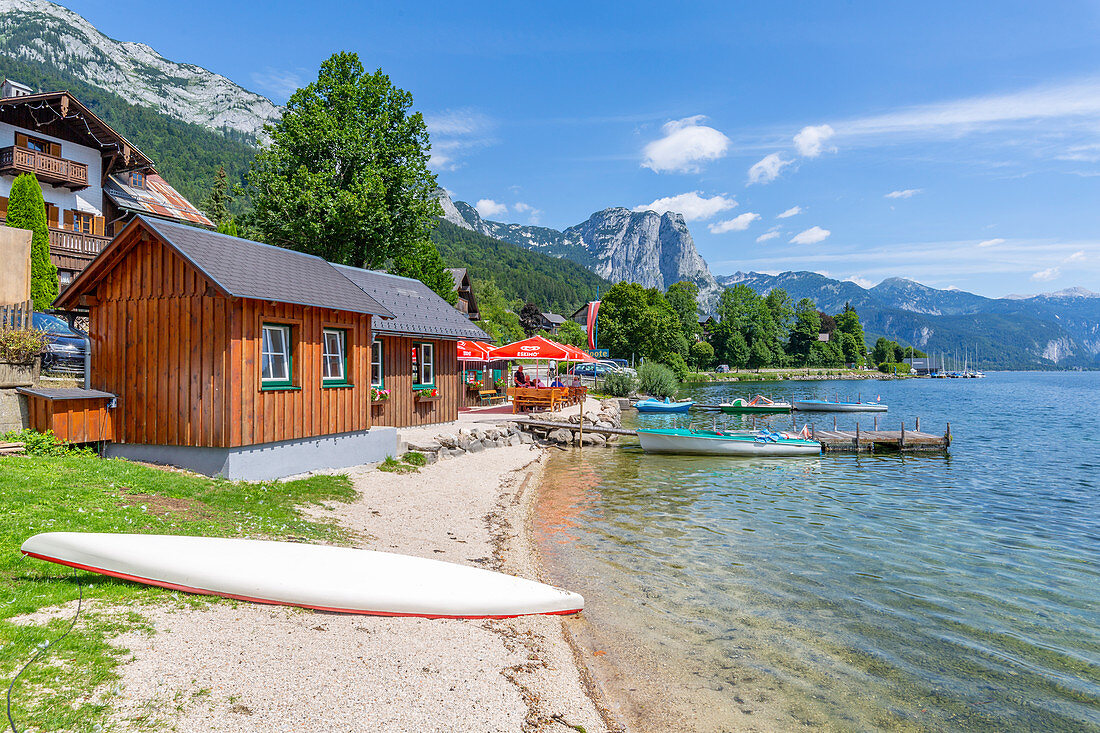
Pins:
<point x="13" y="411"/>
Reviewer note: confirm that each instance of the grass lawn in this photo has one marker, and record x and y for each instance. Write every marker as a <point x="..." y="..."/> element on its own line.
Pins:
<point x="80" y="492"/>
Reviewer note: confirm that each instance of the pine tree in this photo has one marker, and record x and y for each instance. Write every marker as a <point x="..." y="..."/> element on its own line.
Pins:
<point x="216" y="204"/>
<point x="27" y="210"/>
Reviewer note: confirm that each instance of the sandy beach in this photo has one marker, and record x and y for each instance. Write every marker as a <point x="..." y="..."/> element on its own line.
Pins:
<point x="245" y="667"/>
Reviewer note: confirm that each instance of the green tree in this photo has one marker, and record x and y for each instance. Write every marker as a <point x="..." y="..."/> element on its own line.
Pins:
<point x="736" y="351"/>
<point x="736" y="306"/>
<point x="760" y="355"/>
<point x="782" y="311"/>
<point x="622" y="311"/>
<point x="572" y="333"/>
<point x="682" y="296"/>
<point x="217" y="202"/>
<point x="345" y="175"/>
<point x="702" y="355"/>
<point x="847" y="322"/>
<point x="530" y="317"/>
<point x="498" y="318"/>
<point x="854" y="351"/>
<point x="804" y="333"/>
<point x="27" y="210"/>
<point x="883" y="351"/>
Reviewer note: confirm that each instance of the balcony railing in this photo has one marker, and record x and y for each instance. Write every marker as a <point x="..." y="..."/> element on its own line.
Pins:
<point x="65" y="242"/>
<point x="47" y="168"/>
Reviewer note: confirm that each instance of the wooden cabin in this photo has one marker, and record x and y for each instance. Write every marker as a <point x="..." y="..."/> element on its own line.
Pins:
<point x="466" y="303"/>
<point x="415" y="353"/>
<point x="231" y="357"/>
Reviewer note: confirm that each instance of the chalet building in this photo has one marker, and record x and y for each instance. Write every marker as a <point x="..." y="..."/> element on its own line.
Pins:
<point x="415" y="353"/>
<point x="466" y="302"/>
<point x="235" y="358"/>
<point x="224" y="356"/>
<point x="93" y="180"/>
<point x="550" y="322"/>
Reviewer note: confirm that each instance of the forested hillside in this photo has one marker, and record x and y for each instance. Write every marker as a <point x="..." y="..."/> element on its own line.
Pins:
<point x="550" y="283"/>
<point x="187" y="155"/>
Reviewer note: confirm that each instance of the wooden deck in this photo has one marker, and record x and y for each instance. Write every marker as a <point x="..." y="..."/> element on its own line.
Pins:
<point x="880" y="441"/>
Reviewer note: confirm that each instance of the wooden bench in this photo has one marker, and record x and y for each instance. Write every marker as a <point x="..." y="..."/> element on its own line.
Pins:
<point x="11" y="449"/>
<point x="531" y="398"/>
<point x="488" y="395"/>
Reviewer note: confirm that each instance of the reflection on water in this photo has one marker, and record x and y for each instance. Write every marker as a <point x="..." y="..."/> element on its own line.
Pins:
<point x="847" y="591"/>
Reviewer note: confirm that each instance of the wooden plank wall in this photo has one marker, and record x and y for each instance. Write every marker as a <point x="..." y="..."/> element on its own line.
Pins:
<point x="185" y="361"/>
<point x="402" y="410"/>
<point x="72" y="421"/>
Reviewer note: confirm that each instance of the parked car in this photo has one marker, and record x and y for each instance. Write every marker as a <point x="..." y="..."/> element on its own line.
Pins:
<point x="599" y="369"/>
<point x="722" y="368"/>
<point x="65" y="351"/>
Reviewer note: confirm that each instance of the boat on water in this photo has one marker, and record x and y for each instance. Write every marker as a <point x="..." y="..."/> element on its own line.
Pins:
<point x="831" y="406"/>
<point x="655" y="405"/>
<point x="719" y="443"/>
<point x="758" y="405"/>
<point x="336" y="579"/>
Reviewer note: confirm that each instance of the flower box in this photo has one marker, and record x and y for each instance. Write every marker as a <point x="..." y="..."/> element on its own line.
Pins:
<point x="427" y="395"/>
<point x="19" y="375"/>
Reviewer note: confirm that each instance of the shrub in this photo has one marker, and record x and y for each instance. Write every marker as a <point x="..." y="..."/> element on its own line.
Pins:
<point x="19" y="347"/>
<point x="617" y="384"/>
<point x="657" y="380"/>
<point x="43" y="444"/>
<point x="676" y="363"/>
<point x="27" y="210"/>
<point x="891" y="367"/>
<point x="392" y="465"/>
<point x="414" y="458"/>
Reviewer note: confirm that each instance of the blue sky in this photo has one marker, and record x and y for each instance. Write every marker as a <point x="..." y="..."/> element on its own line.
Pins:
<point x="957" y="144"/>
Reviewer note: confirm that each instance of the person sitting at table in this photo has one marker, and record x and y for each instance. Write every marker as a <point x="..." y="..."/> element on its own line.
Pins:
<point x="520" y="378"/>
<point x="536" y="383"/>
<point x="557" y="383"/>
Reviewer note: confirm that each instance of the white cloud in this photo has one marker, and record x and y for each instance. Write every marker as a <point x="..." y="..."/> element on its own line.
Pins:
<point x="991" y="242"/>
<point x="488" y="208"/>
<point x="811" y="139"/>
<point x="1078" y="256"/>
<point x="767" y="169"/>
<point x="693" y="205"/>
<point x="685" y="145"/>
<point x="860" y="281"/>
<point x="793" y="211"/>
<point x="279" y="84"/>
<point x="454" y="134"/>
<point x="813" y="235"/>
<point x="1046" y="275"/>
<point x="533" y="214"/>
<point x="906" y="194"/>
<point x="736" y="224"/>
<point x="768" y="235"/>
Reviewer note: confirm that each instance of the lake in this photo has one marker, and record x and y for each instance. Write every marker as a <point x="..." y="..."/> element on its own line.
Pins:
<point x="841" y="592"/>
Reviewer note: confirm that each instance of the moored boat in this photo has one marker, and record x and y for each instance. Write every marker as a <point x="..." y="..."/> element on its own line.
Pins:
<point x="654" y="405"/>
<point x="718" y="443"/>
<point x="830" y="406"/>
<point x="759" y="405"/>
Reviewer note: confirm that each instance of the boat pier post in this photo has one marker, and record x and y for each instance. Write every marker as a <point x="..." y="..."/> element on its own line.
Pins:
<point x="879" y="441"/>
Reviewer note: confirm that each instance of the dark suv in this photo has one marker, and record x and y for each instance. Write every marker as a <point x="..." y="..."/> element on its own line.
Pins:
<point x="65" y="351"/>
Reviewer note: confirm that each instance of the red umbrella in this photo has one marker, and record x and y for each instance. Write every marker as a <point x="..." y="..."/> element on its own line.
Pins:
<point x="473" y="351"/>
<point x="578" y="355"/>
<point x="535" y="347"/>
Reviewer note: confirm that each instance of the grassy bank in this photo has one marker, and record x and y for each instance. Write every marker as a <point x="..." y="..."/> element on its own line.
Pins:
<point x="69" y="689"/>
<point x="776" y="375"/>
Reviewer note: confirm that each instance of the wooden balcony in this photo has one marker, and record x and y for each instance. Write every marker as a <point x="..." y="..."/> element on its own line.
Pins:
<point x="76" y="244"/>
<point x="46" y="168"/>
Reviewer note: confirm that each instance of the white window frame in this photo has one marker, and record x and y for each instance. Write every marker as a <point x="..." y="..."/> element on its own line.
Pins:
<point x="341" y="355"/>
<point x="425" y="357"/>
<point x="268" y="349"/>
<point x="377" y="364"/>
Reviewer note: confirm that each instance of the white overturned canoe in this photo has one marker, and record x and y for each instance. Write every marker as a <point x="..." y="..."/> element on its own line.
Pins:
<point x="827" y="406"/>
<point x="706" y="443"/>
<point x="311" y="576"/>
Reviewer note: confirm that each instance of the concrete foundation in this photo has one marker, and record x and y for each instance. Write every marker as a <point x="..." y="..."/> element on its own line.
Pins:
<point x="269" y="460"/>
<point x="13" y="411"/>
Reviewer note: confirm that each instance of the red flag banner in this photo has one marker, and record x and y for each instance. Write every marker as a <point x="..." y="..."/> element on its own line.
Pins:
<point x="593" y="309"/>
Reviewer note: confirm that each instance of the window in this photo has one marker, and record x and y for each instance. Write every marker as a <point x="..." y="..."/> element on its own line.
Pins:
<point x="275" y="357"/>
<point x="82" y="222"/>
<point x="38" y="146"/>
<point x="376" y="364"/>
<point x="137" y="179"/>
<point x="334" y="356"/>
<point x="423" y="365"/>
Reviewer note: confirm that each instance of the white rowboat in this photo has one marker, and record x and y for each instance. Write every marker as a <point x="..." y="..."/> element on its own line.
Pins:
<point x="827" y="406"/>
<point x="320" y="577"/>
<point x="707" y="443"/>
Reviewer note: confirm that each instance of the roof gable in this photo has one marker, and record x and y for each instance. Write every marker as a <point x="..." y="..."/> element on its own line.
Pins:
<point x="239" y="268"/>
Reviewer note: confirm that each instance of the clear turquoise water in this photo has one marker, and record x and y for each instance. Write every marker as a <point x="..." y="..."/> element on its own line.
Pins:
<point x="844" y="592"/>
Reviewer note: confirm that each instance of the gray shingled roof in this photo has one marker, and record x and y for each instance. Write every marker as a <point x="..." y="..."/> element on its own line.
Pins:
<point x="246" y="269"/>
<point x="65" y="393"/>
<point x="417" y="309"/>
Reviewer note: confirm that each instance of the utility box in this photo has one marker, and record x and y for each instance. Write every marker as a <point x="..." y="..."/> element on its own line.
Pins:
<point x="15" y="265"/>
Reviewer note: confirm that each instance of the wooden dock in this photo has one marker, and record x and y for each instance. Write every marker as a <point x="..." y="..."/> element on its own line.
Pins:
<point x="881" y="441"/>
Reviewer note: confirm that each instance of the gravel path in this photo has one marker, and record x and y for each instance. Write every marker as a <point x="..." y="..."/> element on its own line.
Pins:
<point x="246" y="667"/>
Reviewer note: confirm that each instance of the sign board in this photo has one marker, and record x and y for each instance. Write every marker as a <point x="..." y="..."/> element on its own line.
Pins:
<point x="15" y="276"/>
<point x="598" y="353"/>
